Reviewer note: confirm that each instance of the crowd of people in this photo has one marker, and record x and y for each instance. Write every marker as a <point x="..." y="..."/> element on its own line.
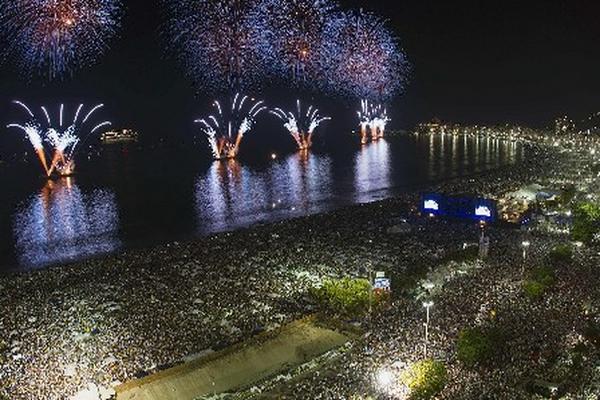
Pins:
<point x="106" y="321"/>
<point x="540" y="336"/>
<point x="546" y="351"/>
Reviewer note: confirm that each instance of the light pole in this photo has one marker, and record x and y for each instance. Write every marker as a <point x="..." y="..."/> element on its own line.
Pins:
<point x="370" y="292"/>
<point x="384" y="379"/>
<point x="367" y="270"/>
<point x="427" y="306"/>
<point x="525" y="245"/>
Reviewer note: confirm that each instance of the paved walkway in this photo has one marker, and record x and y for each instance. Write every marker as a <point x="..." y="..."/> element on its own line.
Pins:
<point x="238" y="367"/>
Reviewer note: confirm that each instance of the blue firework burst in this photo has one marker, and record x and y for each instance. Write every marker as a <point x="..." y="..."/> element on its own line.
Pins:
<point x="291" y="37"/>
<point x="363" y="58"/>
<point x="53" y="38"/>
<point x="216" y="41"/>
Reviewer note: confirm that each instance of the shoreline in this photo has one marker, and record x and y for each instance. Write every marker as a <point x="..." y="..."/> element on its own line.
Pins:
<point x="410" y="190"/>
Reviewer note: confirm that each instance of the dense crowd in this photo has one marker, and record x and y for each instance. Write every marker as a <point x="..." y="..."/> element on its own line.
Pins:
<point x="541" y="335"/>
<point x="106" y="321"/>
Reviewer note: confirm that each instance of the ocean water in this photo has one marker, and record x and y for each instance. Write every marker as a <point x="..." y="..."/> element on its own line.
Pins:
<point x="127" y="196"/>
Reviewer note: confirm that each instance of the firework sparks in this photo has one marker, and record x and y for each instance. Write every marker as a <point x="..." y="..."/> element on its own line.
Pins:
<point x="301" y="125"/>
<point x="373" y="116"/>
<point x="364" y="58"/>
<point x="59" y="142"/>
<point x="56" y="37"/>
<point x="216" y="41"/>
<point x="292" y="35"/>
<point x="232" y="45"/>
<point x="227" y="128"/>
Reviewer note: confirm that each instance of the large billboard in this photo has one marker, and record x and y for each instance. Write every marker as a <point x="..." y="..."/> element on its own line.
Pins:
<point x="463" y="207"/>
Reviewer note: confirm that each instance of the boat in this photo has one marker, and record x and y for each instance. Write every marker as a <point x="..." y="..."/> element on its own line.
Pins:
<point x="119" y="136"/>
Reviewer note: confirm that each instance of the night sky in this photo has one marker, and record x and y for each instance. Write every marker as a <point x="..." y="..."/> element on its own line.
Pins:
<point x="474" y="61"/>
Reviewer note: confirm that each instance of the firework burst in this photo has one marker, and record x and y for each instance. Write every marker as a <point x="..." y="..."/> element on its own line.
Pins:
<point x="365" y="61"/>
<point x="227" y="128"/>
<point x="56" y="37"/>
<point x="301" y="125"/>
<point x="56" y="140"/>
<point x="373" y="116"/>
<point x="292" y="35"/>
<point x="216" y="41"/>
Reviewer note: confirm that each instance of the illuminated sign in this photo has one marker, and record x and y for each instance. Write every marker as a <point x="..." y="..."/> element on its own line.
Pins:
<point x="483" y="211"/>
<point x="383" y="284"/>
<point x="431" y="205"/>
<point x="462" y="207"/>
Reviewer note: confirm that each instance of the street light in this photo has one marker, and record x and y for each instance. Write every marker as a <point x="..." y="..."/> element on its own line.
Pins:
<point x="525" y="246"/>
<point x="367" y="270"/>
<point x="384" y="379"/>
<point x="370" y="290"/>
<point x="427" y="305"/>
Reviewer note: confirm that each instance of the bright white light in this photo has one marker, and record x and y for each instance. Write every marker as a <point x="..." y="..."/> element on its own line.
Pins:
<point x="385" y="378"/>
<point x="526" y="244"/>
<point x="483" y="211"/>
<point x="427" y="304"/>
<point x="431" y="205"/>
<point x="301" y="126"/>
<point x="225" y="132"/>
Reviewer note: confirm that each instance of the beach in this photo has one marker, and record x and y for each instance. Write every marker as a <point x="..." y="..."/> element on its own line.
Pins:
<point x="105" y="321"/>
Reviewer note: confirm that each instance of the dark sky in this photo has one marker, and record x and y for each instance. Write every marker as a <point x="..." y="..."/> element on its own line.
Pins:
<point x="474" y="61"/>
<point x="492" y="61"/>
